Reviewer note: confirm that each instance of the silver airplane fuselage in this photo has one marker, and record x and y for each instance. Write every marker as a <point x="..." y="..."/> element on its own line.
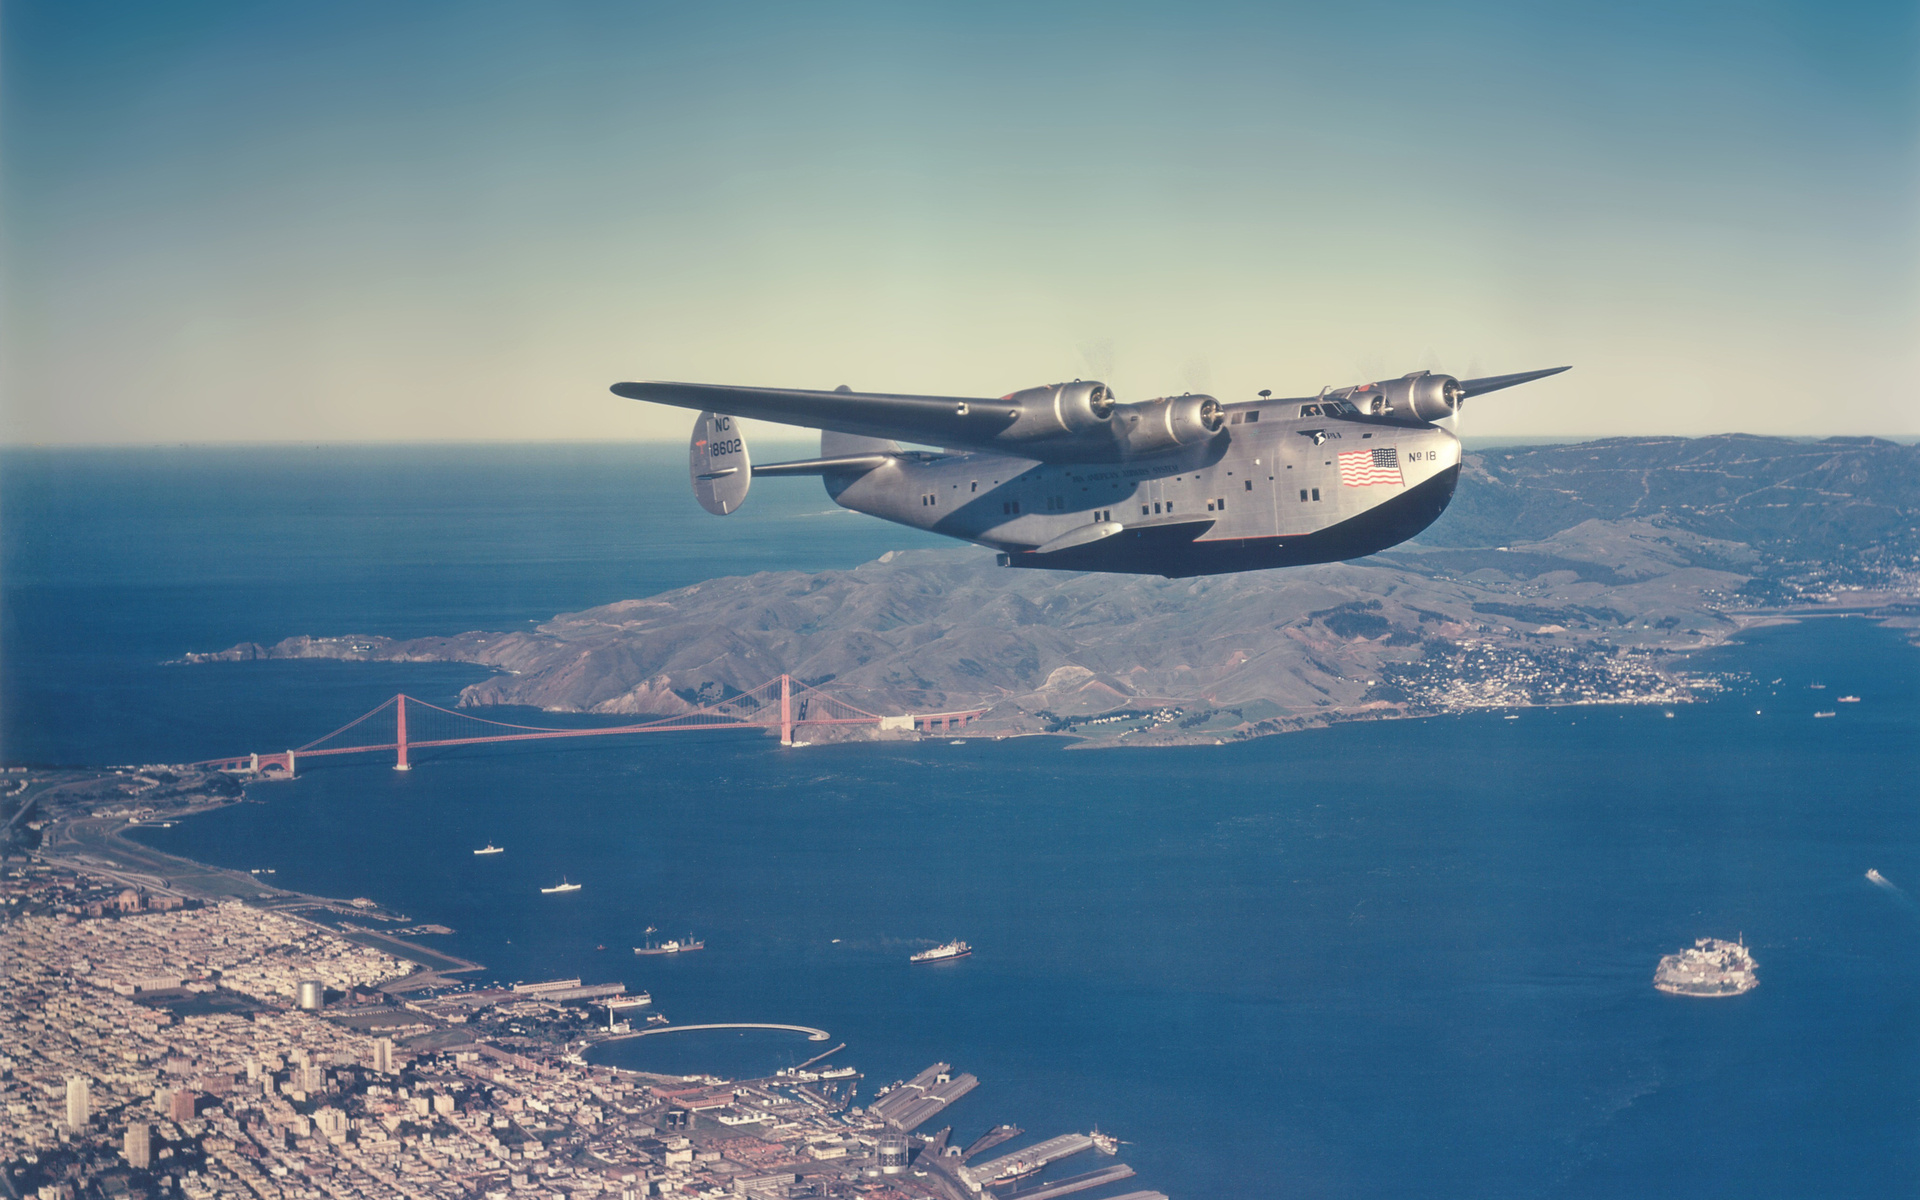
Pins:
<point x="1268" y="492"/>
<point x="1066" y="477"/>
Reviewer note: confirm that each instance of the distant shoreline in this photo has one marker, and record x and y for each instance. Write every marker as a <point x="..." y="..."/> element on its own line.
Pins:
<point x="138" y="865"/>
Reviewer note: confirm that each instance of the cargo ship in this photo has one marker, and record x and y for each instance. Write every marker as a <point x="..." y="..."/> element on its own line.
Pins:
<point x="490" y="848"/>
<point x="952" y="950"/>
<point x="562" y="886"/>
<point x="672" y="946"/>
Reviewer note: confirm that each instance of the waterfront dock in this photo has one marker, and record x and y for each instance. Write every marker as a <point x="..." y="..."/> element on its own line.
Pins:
<point x="1113" y="1173"/>
<point x="993" y="1137"/>
<point x="813" y="1035"/>
<point x="915" y="1102"/>
<point x="1032" y="1158"/>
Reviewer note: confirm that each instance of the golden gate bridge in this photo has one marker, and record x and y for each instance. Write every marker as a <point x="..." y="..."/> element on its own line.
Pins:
<point x="782" y="703"/>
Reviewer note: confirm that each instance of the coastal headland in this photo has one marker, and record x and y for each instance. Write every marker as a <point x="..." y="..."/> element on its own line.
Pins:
<point x="78" y="820"/>
<point x="1577" y="574"/>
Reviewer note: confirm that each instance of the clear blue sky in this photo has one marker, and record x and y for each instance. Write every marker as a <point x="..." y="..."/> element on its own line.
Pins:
<point x="263" y="221"/>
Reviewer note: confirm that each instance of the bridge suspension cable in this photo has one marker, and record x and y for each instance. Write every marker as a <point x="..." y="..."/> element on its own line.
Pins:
<point x="780" y="703"/>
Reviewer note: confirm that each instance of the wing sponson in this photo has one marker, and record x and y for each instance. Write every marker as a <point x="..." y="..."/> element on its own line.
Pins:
<point x="948" y="420"/>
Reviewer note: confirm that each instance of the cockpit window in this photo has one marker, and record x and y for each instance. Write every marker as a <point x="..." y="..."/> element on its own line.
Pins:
<point x="1309" y="410"/>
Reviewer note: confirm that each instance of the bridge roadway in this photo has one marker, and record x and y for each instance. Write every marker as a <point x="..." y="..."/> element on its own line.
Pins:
<point x="813" y="1035"/>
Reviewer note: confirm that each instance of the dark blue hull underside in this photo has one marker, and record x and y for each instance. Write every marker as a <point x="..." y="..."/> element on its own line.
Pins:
<point x="1183" y="550"/>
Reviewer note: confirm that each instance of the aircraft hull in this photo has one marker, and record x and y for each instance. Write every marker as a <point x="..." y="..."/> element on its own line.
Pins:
<point x="1175" y="552"/>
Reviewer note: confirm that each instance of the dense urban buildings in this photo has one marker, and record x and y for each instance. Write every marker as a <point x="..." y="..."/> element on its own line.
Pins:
<point x="173" y="1055"/>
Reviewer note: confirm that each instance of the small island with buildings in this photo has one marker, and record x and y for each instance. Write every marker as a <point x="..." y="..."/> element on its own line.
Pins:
<point x="1710" y="968"/>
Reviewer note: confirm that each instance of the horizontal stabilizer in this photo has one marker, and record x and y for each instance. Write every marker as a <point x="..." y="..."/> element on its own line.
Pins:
<point x="852" y="464"/>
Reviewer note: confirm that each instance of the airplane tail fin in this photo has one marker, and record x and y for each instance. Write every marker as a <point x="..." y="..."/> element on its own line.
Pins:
<point x="718" y="464"/>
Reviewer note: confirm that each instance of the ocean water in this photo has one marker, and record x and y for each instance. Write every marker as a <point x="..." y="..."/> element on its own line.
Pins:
<point x="1403" y="959"/>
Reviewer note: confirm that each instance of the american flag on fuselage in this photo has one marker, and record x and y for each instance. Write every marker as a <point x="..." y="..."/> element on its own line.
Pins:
<point x="1364" y="468"/>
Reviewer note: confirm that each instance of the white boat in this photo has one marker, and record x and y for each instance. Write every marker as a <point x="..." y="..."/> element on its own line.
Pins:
<point x="1828" y="713"/>
<point x="1849" y="699"/>
<point x="952" y="950"/>
<point x="490" y="848"/>
<point x="674" y="946"/>
<point x="562" y="886"/>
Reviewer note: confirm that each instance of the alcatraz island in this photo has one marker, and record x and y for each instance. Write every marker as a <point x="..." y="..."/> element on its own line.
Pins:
<point x="1711" y="967"/>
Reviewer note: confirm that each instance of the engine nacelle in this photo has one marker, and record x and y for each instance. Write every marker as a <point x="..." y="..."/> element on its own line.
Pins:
<point x="1166" y="424"/>
<point x="1058" y="410"/>
<point x="1421" y="395"/>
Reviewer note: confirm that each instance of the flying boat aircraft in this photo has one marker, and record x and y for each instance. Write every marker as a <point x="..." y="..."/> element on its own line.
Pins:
<point x="1067" y="477"/>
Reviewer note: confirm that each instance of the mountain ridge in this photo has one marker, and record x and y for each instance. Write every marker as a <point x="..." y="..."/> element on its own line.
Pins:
<point x="1540" y="593"/>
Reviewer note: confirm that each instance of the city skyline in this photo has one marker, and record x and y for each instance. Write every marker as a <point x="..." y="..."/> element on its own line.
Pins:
<point x="252" y="222"/>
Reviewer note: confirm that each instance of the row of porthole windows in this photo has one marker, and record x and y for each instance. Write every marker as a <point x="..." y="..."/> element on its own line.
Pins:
<point x="1011" y="508"/>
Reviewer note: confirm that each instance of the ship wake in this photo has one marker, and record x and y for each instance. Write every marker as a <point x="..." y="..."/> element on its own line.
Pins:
<point x="1893" y="889"/>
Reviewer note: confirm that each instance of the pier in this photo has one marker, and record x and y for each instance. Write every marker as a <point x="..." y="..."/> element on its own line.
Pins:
<point x="1032" y="1158"/>
<point x="913" y="1103"/>
<point x="813" y="1035"/>
<point x="1078" y="1183"/>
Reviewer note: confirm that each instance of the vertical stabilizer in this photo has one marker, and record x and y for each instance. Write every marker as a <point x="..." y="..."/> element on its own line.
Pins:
<point x="718" y="464"/>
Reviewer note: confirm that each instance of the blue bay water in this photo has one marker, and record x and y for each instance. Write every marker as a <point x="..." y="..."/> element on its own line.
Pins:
<point x="1376" y="960"/>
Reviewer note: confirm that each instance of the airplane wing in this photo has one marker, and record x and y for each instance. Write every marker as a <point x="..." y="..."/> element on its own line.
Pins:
<point x="1493" y="383"/>
<point x="939" y="420"/>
